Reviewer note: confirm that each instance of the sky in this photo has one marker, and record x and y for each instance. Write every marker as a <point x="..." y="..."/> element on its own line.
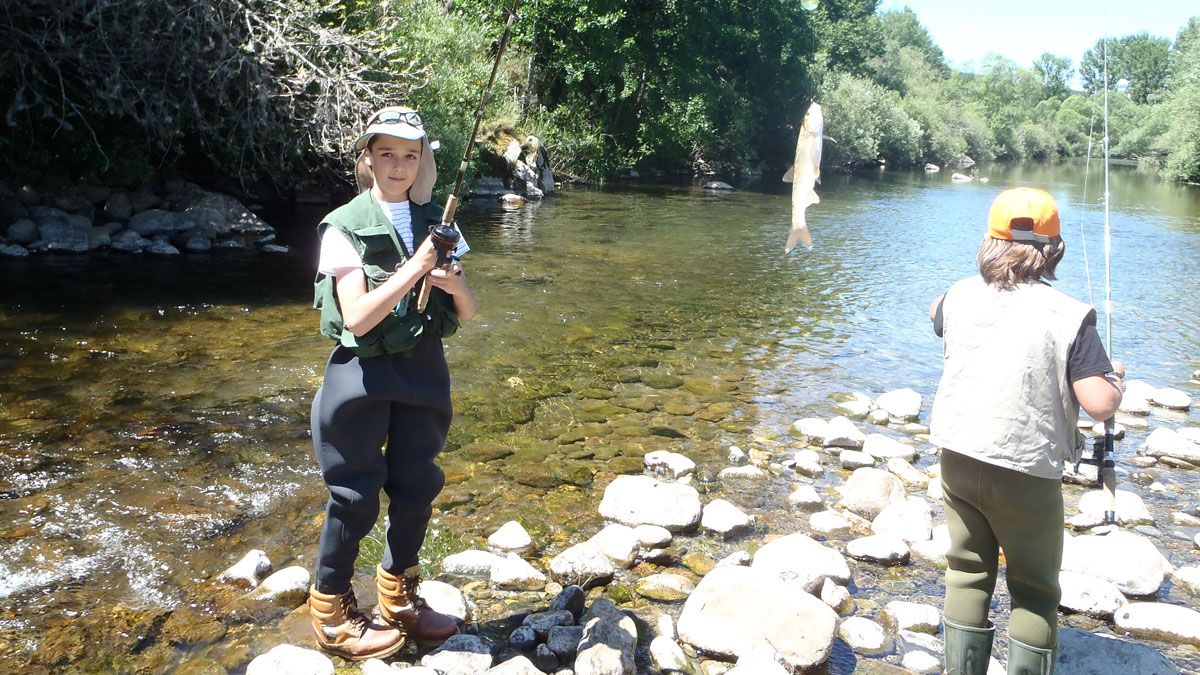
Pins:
<point x="1022" y="30"/>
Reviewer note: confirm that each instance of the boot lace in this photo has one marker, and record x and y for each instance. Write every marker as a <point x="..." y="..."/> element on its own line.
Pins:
<point x="409" y="586"/>
<point x="353" y="616"/>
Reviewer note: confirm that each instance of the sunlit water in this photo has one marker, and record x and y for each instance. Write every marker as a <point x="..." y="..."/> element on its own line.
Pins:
<point x="153" y="412"/>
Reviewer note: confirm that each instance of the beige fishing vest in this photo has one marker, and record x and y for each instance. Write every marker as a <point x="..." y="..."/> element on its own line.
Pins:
<point x="1004" y="397"/>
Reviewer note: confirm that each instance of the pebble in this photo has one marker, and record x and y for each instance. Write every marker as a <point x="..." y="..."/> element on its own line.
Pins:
<point x="515" y="574"/>
<point x="523" y="638"/>
<point x="910" y="520"/>
<point x="879" y="417"/>
<point x="666" y="587"/>
<point x="886" y="447"/>
<point x="857" y="407"/>
<point x="470" y="563"/>
<point x="564" y="641"/>
<point x="518" y="665"/>
<point x="805" y="497"/>
<point x="287" y="587"/>
<point x="642" y="500"/>
<point x="249" y="571"/>
<point x="618" y="542"/>
<point x="837" y="597"/>
<point x="842" y="433"/>
<point x="934" y="550"/>
<point x="1187" y="579"/>
<point x="736" y="456"/>
<point x="652" y="536"/>
<point x="571" y="599"/>
<point x="510" y="538"/>
<point x="868" y="491"/>
<point x="747" y="471"/>
<point x="906" y="472"/>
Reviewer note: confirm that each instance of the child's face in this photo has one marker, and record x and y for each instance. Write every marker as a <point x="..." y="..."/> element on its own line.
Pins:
<point x="394" y="163"/>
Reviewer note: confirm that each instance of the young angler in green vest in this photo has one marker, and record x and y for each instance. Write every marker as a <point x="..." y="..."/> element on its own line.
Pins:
<point x="382" y="414"/>
<point x="1020" y="358"/>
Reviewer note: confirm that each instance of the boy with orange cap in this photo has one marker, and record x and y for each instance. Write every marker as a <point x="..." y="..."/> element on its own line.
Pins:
<point x="1020" y="358"/>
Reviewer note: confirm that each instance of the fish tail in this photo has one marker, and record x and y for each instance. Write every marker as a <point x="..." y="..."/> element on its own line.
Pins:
<point x="798" y="235"/>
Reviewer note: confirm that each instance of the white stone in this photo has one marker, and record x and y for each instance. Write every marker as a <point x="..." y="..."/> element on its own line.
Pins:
<point x="1174" y="399"/>
<point x="1184" y="519"/>
<point x="811" y="429"/>
<point x="935" y="490"/>
<point x="510" y="538"/>
<point x="1187" y="579"/>
<point x="724" y="518"/>
<point x="879" y="416"/>
<point x="903" y="404"/>
<point x="652" y="536"/>
<point x="1119" y="430"/>
<point x="842" y="433"/>
<point x="462" y="654"/>
<point x="512" y="573"/>
<point x="665" y="586"/>
<point x="807" y="462"/>
<point x="885" y="447"/>
<point x="669" y="464"/>
<point x="618" y="542"/>
<point x="517" y="665"/>
<point x="288" y="586"/>
<point x="1136" y="399"/>
<point x="725" y="614"/>
<point x="249" y="571"/>
<point x="1089" y="594"/>
<point x="582" y="564"/>
<point x="1165" y="442"/>
<point x="667" y="656"/>
<point x="742" y="558"/>
<point x="798" y="557"/>
<point x="1129" y="560"/>
<point x="736" y="456"/>
<point x="921" y="661"/>
<point x="1159" y="621"/>
<point x="1131" y="510"/>
<point x="934" y="550"/>
<point x="857" y="407"/>
<point x="377" y="667"/>
<point x="907" y="473"/>
<point x="762" y="660"/>
<point x="642" y="500"/>
<point x="854" y="459"/>
<point x="1084" y="653"/>
<point x="829" y="522"/>
<point x="879" y="548"/>
<point x="470" y="563"/>
<point x="868" y="491"/>
<point x="837" y="597"/>
<point x="747" y="471"/>
<point x="910" y="520"/>
<point x="864" y="636"/>
<point x="805" y="497"/>
<point x="912" y="616"/>
<point x="608" y="643"/>
<point x="291" y="660"/>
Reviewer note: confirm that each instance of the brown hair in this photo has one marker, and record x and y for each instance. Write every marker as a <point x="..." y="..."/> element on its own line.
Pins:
<point x="362" y="173"/>
<point x="1004" y="263"/>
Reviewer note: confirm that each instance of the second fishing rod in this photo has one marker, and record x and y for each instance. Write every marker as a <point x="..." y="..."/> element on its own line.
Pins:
<point x="445" y="235"/>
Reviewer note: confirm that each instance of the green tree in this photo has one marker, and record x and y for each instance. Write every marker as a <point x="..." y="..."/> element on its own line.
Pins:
<point x="1054" y="72"/>
<point x="1139" y="59"/>
<point x="1180" y="111"/>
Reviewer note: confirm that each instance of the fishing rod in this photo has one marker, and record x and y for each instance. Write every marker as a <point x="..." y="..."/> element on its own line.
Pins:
<point x="1107" y="468"/>
<point x="445" y="235"/>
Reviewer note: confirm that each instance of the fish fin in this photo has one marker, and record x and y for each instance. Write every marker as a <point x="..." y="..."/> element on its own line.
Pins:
<point x="787" y="176"/>
<point x="798" y="235"/>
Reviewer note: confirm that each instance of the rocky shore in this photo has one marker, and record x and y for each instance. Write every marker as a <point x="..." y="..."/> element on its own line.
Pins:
<point x="639" y="594"/>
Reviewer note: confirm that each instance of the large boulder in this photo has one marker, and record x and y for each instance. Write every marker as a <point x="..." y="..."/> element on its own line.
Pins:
<point x="1160" y="621"/>
<point x="802" y="559"/>
<point x="1088" y="594"/>
<point x="1129" y="560"/>
<point x="1083" y="653"/>
<point x="735" y="610"/>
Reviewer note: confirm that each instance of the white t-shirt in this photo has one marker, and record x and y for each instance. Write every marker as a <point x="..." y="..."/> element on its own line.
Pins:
<point x="338" y="253"/>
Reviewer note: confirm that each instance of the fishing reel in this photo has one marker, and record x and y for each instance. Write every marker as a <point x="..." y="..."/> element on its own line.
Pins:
<point x="445" y="239"/>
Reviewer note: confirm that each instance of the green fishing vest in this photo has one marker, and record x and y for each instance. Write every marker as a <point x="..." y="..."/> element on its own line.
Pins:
<point x="363" y="223"/>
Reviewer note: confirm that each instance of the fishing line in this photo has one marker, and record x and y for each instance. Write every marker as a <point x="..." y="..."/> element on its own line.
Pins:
<point x="1087" y="166"/>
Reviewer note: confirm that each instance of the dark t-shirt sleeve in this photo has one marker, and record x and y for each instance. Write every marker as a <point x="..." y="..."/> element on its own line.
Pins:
<point x="1087" y="356"/>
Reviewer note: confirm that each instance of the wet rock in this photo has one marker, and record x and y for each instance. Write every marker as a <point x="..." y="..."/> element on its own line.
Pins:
<point x="669" y="464"/>
<point x="907" y="472"/>
<point x="853" y="459"/>
<point x="748" y="471"/>
<point x="666" y="587"/>
<point x="470" y="563"/>
<point x="912" y="616"/>
<point x="518" y="665"/>
<point x="523" y="638"/>
<point x="837" y="597"/>
<point x="808" y="463"/>
<point x="14" y="251"/>
<point x="118" y="207"/>
<point x="902" y="404"/>
<point x="583" y="564"/>
<point x="724" y="616"/>
<point x="618" y="542"/>
<point x="864" y="636"/>
<point x="24" y="231"/>
<point x="544" y="659"/>
<point x="842" y="433"/>
<point x="275" y="248"/>
<point x="157" y="221"/>
<point x="486" y="452"/>
<point x="248" y="571"/>
<point x="921" y="661"/>
<point x="805" y="497"/>
<point x="1130" y="561"/>
<point x="910" y="520"/>
<point x="197" y="244"/>
<point x="129" y="242"/>
<point x="885" y="447"/>
<point x="608" y="642"/>
<point x="652" y="536"/>
<point x="725" y="519"/>
<point x="810" y="429"/>
<point x="188" y="627"/>
<point x="661" y="381"/>
<point x="1084" y="653"/>
<point x="161" y="248"/>
<point x="1131" y="510"/>
<point x="1089" y="594"/>
<point x="878" y="548"/>
<point x="1184" y="519"/>
<point x="642" y="500"/>
<point x="868" y="491"/>
<point x="1171" y="398"/>
<point x="717" y="185"/>
<point x="462" y="654"/>
<point x="571" y="599"/>
<point x="735" y="558"/>
<point x="512" y="573"/>
<point x="857" y="407"/>
<point x="829" y="522"/>
<point x="668" y="657"/>
<point x="800" y="558"/>
<point x="879" y="417"/>
<point x="291" y="660"/>
<point x="1164" y="442"/>
<point x="510" y="538"/>
<point x="1187" y="579"/>
<point x="564" y="641"/>
<point x="1159" y="621"/>
<point x="286" y="588"/>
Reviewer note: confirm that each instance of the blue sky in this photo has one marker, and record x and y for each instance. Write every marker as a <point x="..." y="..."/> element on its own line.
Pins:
<point x="1021" y="30"/>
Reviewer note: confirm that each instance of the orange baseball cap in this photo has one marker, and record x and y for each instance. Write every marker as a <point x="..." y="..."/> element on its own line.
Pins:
<point x="1024" y="214"/>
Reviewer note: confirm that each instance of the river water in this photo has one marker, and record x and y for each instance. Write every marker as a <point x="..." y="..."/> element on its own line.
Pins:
<point x="154" y="412"/>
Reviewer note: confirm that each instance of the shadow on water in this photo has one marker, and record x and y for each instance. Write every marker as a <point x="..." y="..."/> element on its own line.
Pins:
<point x="154" y="412"/>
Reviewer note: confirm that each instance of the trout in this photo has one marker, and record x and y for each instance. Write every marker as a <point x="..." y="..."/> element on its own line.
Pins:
<point x="804" y="175"/>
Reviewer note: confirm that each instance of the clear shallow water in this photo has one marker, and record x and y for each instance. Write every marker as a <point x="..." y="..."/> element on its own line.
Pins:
<point x="153" y="413"/>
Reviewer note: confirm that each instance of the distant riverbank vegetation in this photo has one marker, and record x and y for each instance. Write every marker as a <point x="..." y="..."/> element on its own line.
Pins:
<point x="268" y="93"/>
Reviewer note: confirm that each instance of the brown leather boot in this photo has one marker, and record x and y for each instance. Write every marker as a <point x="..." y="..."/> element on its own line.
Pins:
<point x="400" y="605"/>
<point x="343" y="630"/>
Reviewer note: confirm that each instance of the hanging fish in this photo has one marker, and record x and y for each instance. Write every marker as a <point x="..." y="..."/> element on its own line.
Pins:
<point x="805" y="174"/>
<point x="809" y="5"/>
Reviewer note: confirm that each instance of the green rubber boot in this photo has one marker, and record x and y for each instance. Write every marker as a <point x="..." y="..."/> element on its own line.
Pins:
<point x="967" y="648"/>
<point x="1026" y="660"/>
